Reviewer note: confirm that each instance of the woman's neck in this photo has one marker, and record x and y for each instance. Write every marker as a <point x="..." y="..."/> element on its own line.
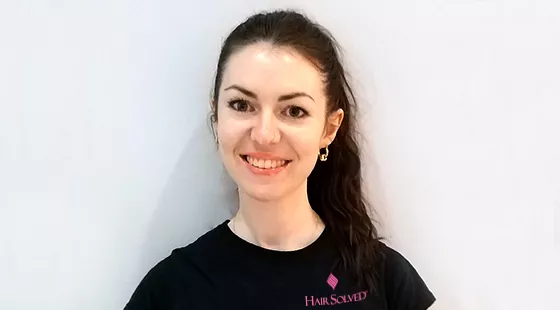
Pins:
<point x="287" y="224"/>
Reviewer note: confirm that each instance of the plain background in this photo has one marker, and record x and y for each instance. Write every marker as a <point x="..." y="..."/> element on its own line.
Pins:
<point x="107" y="162"/>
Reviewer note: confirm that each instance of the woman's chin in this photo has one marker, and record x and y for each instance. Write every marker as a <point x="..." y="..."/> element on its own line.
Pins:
<point x="264" y="193"/>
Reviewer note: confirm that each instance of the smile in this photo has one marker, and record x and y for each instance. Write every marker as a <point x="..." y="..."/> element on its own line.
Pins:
<point x="265" y="163"/>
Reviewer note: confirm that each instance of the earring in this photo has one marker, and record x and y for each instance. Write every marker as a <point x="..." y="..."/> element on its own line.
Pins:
<point x="323" y="157"/>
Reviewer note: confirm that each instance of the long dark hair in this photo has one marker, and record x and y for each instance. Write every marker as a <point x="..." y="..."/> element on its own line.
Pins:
<point x="334" y="187"/>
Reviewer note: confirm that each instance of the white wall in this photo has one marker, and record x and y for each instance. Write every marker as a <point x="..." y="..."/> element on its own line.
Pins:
<point x="107" y="163"/>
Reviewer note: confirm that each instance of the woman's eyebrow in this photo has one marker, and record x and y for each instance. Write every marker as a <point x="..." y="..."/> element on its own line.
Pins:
<point x="251" y="94"/>
<point x="245" y="91"/>
<point x="294" y="95"/>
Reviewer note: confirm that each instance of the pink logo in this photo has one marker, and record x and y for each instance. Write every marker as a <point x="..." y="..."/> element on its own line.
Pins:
<point x="332" y="281"/>
<point x="334" y="299"/>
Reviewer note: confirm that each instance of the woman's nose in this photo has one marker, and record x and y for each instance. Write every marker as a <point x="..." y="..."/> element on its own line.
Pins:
<point x="265" y="130"/>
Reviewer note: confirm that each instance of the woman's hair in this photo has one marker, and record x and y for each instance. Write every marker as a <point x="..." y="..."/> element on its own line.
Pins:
<point x="334" y="187"/>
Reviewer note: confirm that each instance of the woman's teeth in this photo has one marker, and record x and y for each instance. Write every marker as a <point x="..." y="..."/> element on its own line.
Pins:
<point x="265" y="163"/>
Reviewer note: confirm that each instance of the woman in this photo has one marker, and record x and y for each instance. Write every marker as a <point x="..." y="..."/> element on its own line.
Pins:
<point x="283" y="115"/>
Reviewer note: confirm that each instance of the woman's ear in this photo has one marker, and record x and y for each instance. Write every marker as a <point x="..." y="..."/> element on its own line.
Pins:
<point x="334" y="120"/>
<point x="214" y="120"/>
<point x="213" y="111"/>
<point x="212" y="106"/>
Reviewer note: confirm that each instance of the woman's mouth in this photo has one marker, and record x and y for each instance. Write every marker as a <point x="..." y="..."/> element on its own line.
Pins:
<point x="261" y="163"/>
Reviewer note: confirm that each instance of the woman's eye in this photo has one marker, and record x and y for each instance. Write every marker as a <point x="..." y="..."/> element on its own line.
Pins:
<point x="239" y="105"/>
<point x="296" y="112"/>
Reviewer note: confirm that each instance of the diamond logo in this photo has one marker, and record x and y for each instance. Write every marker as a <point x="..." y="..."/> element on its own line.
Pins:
<point x="332" y="281"/>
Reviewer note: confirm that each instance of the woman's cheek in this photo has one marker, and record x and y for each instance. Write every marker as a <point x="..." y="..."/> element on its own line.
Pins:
<point x="304" y="139"/>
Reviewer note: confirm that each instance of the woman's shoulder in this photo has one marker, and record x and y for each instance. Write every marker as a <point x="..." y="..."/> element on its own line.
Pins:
<point x="204" y="244"/>
<point x="171" y="280"/>
<point x="190" y="258"/>
<point x="392" y="259"/>
<point x="404" y="287"/>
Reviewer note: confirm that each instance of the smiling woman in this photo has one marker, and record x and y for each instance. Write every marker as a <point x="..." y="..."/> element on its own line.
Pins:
<point x="302" y="236"/>
<point x="266" y="112"/>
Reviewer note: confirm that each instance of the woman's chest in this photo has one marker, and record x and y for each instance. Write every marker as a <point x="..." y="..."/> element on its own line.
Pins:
<point x="296" y="289"/>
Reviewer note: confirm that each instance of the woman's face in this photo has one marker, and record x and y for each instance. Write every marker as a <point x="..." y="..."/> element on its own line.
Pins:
<point x="272" y="120"/>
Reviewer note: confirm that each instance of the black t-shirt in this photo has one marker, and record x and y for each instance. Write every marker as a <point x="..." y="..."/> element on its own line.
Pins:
<point x="222" y="271"/>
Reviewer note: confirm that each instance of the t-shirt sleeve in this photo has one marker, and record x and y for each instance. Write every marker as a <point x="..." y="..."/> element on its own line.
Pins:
<point x="164" y="286"/>
<point x="404" y="288"/>
<point x="150" y="293"/>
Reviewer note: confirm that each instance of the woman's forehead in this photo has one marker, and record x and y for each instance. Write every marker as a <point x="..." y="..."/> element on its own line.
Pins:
<point x="263" y="67"/>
